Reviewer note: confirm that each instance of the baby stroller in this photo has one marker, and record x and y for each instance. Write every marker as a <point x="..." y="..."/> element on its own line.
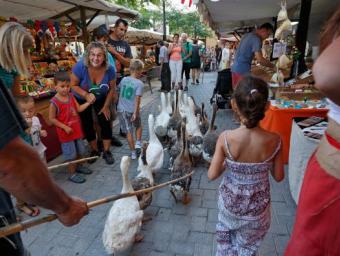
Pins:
<point x="223" y="90"/>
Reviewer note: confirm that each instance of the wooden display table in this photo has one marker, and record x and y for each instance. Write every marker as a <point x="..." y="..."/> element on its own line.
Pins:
<point x="279" y="120"/>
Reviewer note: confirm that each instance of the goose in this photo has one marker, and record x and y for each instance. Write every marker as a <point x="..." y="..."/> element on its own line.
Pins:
<point x="182" y="166"/>
<point x="143" y="180"/>
<point x="154" y="152"/>
<point x="210" y="138"/>
<point x="175" y="150"/>
<point x="162" y="120"/>
<point x="175" y="119"/>
<point x="203" y="122"/>
<point x="168" y="104"/>
<point x="197" y="109"/>
<point x="125" y="217"/>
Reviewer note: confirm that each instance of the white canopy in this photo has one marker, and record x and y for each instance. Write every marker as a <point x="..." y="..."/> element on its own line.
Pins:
<point x="143" y="36"/>
<point x="57" y="9"/>
<point x="226" y="15"/>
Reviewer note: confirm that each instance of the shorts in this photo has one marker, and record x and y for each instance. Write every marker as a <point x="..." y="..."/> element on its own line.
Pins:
<point x="126" y="123"/>
<point x="72" y="149"/>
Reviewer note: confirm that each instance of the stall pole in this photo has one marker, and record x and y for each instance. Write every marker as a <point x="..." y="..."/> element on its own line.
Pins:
<point x="302" y="32"/>
<point x="83" y="25"/>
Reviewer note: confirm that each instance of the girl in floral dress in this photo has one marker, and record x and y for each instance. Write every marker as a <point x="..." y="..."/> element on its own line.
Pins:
<point x="246" y="156"/>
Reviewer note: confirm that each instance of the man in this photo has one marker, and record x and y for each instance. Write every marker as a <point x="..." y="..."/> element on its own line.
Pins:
<point x="249" y="47"/>
<point x="186" y="58"/>
<point x="218" y="52"/>
<point x="24" y="175"/>
<point x="165" y="68"/>
<point x="120" y="50"/>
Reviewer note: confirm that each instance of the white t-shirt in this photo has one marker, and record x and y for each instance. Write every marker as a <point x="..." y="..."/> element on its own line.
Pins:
<point x="225" y="59"/>
<point x="35" y="135"/>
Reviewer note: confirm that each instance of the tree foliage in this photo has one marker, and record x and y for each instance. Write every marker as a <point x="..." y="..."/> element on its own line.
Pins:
<point x="178" y="22"/>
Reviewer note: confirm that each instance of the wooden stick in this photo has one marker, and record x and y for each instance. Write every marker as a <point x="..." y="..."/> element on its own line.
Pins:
<point x="20" y="226"/>
<point x="52" y="167"/>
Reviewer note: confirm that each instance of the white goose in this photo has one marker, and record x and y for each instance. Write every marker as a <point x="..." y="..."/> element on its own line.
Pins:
<point x="168" y="104"/>
<point x="154" y="152"/>
<point x="125" y="217"/>
<point x="162" y="120"/>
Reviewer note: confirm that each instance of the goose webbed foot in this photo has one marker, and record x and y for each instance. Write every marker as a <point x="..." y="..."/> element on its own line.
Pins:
<point x="139" y="238"/>
<point x="186" y="199"/>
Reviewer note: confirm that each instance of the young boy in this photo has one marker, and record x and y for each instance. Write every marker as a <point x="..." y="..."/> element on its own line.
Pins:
<point x="63" y="113"/>
<point x="131" y="90"/>
<point x="32" y="137"/>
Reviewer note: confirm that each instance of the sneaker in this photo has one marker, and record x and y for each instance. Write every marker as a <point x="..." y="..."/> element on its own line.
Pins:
<point x="116" y="142"/>
<point x="93" y="153"/>
<point x="138" y="148"/>
<point x="76" y="178"/>
<point x="83" y="170"/>
<point x="197" y="81"/>
<point x="121" y="133"/>
<point x="133" y="155"/>
<point x="185" y="88"/>
<point x="107" y="155"/>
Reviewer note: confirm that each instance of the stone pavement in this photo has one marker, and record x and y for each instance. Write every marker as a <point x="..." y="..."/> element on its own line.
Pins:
<point x="175" y="229"/>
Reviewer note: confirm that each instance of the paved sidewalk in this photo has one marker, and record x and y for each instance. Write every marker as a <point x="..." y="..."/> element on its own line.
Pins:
<point x="175" y="229"/>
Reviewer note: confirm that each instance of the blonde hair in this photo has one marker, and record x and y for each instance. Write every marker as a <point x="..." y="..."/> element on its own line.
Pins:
<point x="15" y="40"/>
<point x="93" y="45"/>
<point x="136" y="65"/>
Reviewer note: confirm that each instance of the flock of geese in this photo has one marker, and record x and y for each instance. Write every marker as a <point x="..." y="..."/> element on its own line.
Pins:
<point x="183" y="130"/>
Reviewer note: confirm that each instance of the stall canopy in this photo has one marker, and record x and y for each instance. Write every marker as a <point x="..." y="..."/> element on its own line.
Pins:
<point x="146" y="37"/>
<point x="61" y="9"/>
<point x="225" y="16"/>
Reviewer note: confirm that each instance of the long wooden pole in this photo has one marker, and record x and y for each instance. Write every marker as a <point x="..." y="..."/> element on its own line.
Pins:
<point x="20" y="226"/>
<point x="52" y="167"/>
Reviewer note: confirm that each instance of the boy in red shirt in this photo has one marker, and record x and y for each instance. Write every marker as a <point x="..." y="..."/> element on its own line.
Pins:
<point x="63" y="113"/>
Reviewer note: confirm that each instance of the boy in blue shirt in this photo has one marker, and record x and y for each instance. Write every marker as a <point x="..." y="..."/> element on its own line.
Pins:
<point x="130" y="94"/>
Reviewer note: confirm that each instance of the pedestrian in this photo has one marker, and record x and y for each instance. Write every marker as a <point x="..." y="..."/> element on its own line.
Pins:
<point x="317" y="224"/>
<point x="121" y="51"/>
<point x="63" y="114"/>
<point x="131" y="91"/>
<point x="93" y="80"/>
<point x="246" y="155"/>
<point x="165" y="68"/>
<point x="176" y="63"/>
<point x="195" y="62"/>
<point x="186" y="58"/>
<point x="249" y="47"/>
<point x="218" y="53"/>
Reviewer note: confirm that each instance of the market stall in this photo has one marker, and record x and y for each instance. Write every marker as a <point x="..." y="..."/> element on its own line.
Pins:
<point x="58" y="28"/>
<point x="306" y="135"/>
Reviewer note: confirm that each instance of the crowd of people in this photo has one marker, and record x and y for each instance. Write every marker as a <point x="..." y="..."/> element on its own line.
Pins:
<point x="101" y="91"/>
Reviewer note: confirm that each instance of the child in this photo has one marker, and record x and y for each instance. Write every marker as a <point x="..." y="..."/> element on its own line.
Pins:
<point x="31" y="136"/>
<point x="63" y="113"/>
<point x="131" y="90"/>
<point x="248" y="154"/>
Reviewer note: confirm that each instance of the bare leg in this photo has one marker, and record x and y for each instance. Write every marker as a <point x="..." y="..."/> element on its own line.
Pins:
<point x="139" y="133"/>
<point x="107" y="144"/>
<point x="130" y="141"/>
<point x="93" y="145"/>
<point x="186" y="199"/>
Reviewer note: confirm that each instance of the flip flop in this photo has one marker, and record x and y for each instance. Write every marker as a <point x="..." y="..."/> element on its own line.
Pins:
<point x="76" y="178"/>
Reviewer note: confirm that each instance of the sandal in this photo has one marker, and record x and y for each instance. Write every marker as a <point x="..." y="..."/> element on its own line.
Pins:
<point x="30" y="210"/>
<point x="83" y="170"/>
<point x="76" y="178"/>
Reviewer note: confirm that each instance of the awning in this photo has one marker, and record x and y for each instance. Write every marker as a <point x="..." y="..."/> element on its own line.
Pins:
<point x="57" y="9"/>
<point x="225" y="16"/>
<point x="146" y="37"/>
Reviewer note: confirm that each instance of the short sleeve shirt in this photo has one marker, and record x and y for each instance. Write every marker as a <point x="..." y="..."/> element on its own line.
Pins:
<point x="249" y="44"/>
<point x="187" y="48"/>
<point x="99" y="90"/>
<point x="163" y="53"/>
<point x="124" y="49"/>
<point x="11" y="125"/>
<point x="129" y="88"/>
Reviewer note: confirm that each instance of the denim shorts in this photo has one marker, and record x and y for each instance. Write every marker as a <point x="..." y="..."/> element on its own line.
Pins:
<point x="72" y="149"/>
<point x="126" y="123"/>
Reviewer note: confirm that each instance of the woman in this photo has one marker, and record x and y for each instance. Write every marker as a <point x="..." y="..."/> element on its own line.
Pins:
<point x="195" y="62"/>
<point x="317" y="224"/>
<point x="15" y="59"/>
<point x="176" y="63"/>
<point x="93" y="80"/>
